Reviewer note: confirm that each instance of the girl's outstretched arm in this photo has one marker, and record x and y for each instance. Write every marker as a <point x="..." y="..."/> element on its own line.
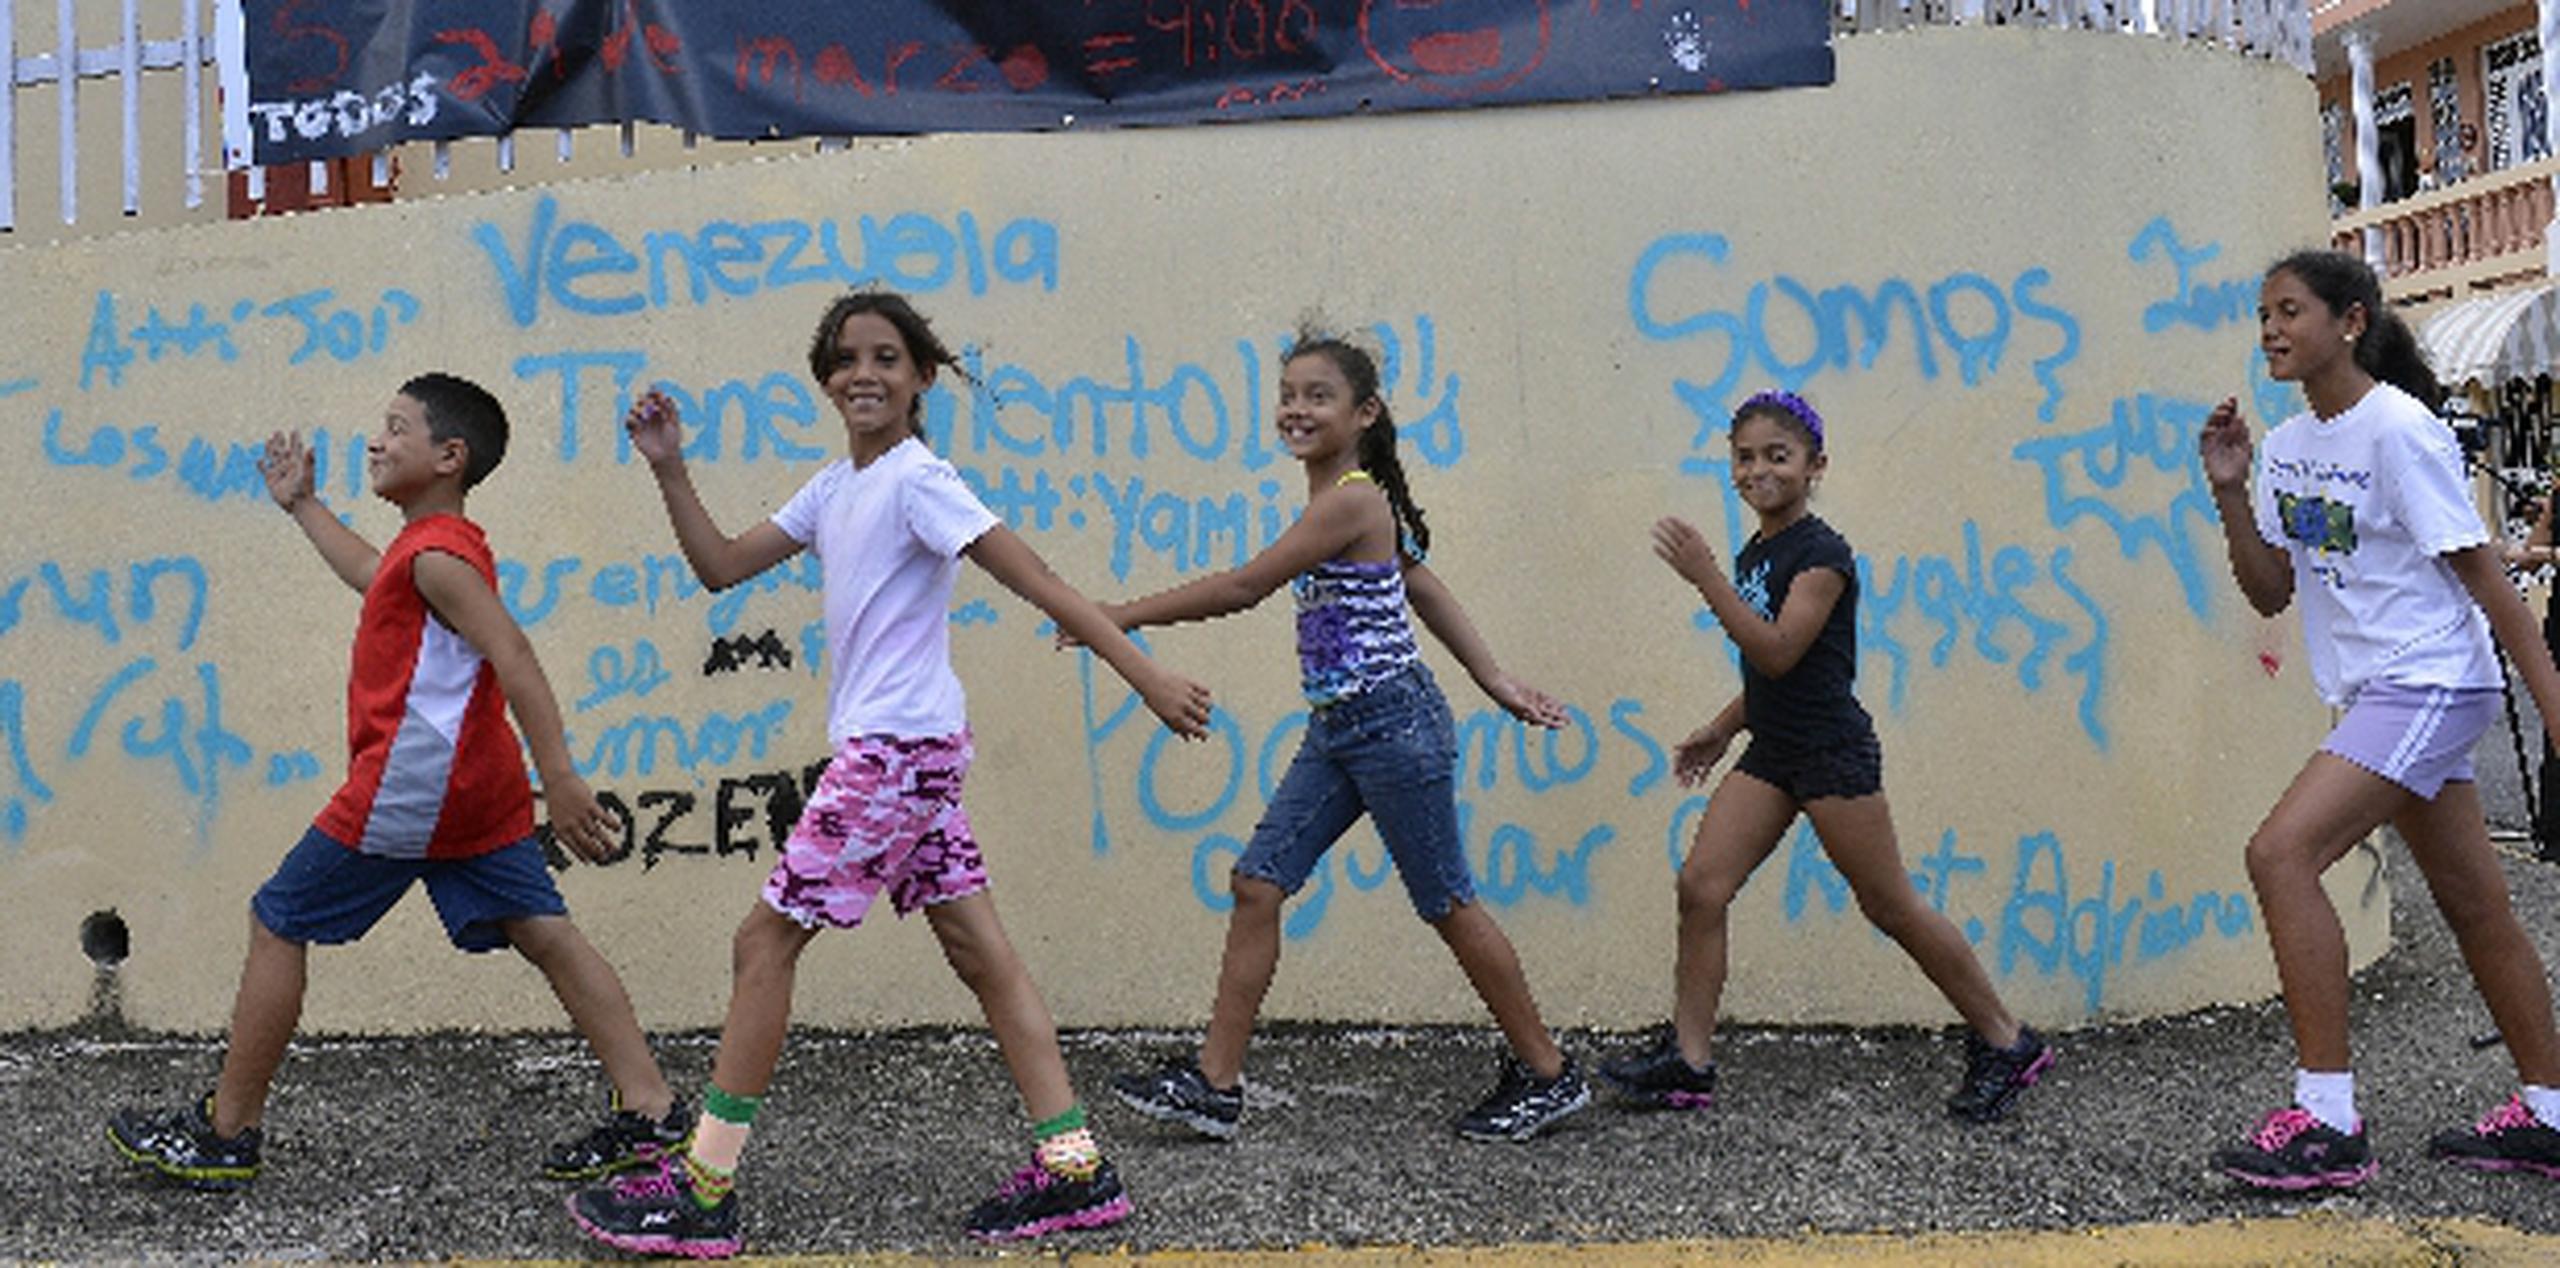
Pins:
<point x="2512" y="623"/>
<point x="1772" y="647"/>
<point x="2265" y="573"/>
<point x="1448" y="622"/>
<point x="1333" y="522"/>
<point x="1181" y="704"/>
<point x="719" y="560"/>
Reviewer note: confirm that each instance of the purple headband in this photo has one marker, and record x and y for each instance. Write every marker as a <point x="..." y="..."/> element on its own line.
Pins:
<point x="1790" y="404"/>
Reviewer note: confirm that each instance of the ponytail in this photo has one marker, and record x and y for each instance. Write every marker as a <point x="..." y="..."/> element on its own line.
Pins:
<point x="1377" y="446"/>
<point x="1378" y="458"/>
<point x="2388" y="350"/>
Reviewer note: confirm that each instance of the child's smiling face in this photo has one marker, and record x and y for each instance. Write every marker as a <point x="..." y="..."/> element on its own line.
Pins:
<point x="405" y="457"/>
<point x="1317" y="416"/>
<point x="1774" y="465"/>
<point x="875" y="383"/>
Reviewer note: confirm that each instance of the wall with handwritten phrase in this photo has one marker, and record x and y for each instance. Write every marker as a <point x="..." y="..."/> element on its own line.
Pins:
<point x="2014" y="310"/>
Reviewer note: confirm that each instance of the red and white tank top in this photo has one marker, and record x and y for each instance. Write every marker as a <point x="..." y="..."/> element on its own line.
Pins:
<point x="433" y="768"/>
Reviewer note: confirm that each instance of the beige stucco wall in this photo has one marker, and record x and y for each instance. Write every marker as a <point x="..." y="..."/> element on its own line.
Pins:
<point x="2081" y="720"/>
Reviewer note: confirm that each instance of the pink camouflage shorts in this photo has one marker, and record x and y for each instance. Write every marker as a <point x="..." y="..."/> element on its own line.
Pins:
<point x="885" y="815"/>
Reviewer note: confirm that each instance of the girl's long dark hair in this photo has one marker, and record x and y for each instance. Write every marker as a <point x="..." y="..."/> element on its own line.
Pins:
<point x="2388" y="350"/>
<point x="1377" y="452"/>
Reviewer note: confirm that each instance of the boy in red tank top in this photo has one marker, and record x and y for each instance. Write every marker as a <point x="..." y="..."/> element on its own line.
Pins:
<point x="435" y="793"/>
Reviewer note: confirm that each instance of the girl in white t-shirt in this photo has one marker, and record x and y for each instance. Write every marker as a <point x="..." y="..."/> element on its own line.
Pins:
<point x="889" y="523"/>
<point x="2363" y="514"/>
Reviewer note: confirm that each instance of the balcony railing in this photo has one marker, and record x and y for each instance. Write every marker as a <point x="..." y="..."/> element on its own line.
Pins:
<point x="2276" y="29"/>
<point x="2444" y="244"/>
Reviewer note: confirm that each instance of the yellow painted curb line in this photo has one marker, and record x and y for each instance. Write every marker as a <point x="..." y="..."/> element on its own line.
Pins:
<point x="2318" y="1238"/>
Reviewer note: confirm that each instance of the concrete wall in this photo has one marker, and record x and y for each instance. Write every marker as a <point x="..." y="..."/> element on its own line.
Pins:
<point x="2014" y="308"/>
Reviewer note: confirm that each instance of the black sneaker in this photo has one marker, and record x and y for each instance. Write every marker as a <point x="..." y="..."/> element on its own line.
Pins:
<point x="1995" y="1077"/>
<point x="181" y="1145"/>
<point x="2293" y="1151"/>
<point x="1658" y="1077"/>
<point x="1037" y="1201"/>
<point x="624" y="1140"/>
<point x="654" y="1213"/>
<point x="2508" y="1138"/>
<point x="1181" y="1094"/>
<point x="1521" y="1104"/>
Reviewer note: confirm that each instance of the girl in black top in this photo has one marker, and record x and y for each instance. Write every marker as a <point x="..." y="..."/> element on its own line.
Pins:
<point x="1791" y="609"/>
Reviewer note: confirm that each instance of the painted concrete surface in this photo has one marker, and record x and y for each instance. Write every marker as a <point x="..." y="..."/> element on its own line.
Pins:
<point x="2013" y="306"/>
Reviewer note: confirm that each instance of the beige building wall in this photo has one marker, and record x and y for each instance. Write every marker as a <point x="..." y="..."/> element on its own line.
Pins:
<point x="2015" y="310"/>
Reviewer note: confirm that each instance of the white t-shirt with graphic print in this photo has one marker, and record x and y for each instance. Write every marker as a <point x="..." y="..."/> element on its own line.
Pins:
<point x="2368" y="504"/>
<point x="888" y="539"/>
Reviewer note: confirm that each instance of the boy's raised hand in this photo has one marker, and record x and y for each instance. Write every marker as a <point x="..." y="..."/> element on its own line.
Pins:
<point x="655" y="429"/>
<point x="578" y="820"/>
<point x="288" y="467"/>
<point x="1679" y="543"/>
<point x="1181" y="704"/>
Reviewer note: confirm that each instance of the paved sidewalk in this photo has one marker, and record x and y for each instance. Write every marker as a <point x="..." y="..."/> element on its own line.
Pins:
<point x="426" y="1147"/>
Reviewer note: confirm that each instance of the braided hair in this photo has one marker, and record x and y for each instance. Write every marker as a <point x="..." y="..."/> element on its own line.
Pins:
<point x="1377" y="446"/>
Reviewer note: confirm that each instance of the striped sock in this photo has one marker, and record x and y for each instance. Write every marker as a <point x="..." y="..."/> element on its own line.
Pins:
<point x="719" y="1140"/>
<point x="1065" y="1145"/>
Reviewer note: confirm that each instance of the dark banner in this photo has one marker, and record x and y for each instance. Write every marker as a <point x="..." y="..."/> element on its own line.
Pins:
<point x="339" y="77"/>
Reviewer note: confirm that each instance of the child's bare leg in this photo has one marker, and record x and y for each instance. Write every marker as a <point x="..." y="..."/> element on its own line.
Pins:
<point x="1244" y="977"/>
<point x="263" y="1016"/>
<point x="1493" y="968"/>
<point x="2331" y="805"/>
<point x="2450" y="841"/>
<point x="1744" y="820"/>
<point x="592" y="994"/>
<point x="974" y="942"/>
<point x="764" y="960"/>
<point x="1857" y="834"/>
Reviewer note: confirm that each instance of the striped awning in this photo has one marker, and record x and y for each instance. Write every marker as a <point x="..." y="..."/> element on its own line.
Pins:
<point x="2510" y="336"/>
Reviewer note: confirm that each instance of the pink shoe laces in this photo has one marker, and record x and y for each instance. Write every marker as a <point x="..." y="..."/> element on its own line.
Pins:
<point x="2506" y="1117"/>
<point x="657" y="1183"/>
<point x="2279" y="1127"/>
<point x="1029" y="1178"/>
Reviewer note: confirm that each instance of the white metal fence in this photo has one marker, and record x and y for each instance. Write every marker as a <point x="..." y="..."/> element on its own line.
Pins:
<point x="177" y="43"/>
<point x="125" y="61"/>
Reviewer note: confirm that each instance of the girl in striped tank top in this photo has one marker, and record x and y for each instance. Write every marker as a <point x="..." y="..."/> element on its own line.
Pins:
<point x="1379" y="740"/>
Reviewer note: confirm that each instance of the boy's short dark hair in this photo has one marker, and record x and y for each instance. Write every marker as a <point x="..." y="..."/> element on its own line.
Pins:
<point x="458" y="408"/>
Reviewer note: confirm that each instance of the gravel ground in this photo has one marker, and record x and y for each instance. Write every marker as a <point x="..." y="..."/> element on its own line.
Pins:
<point x="423" y="1147"/>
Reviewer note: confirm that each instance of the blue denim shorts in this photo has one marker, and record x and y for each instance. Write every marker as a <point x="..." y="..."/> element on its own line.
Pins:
<point x="325" y="892"/>
<point x="1390" y="752"/>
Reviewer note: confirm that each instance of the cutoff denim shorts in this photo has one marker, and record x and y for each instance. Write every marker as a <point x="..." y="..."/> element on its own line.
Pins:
<point x="1390" y="752"/>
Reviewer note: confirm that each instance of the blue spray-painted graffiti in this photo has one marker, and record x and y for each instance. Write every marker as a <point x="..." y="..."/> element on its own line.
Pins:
<point x="2159" y="432"/>
<point x="583" y="269"/>
<point x="1848" y="329"/>
<point x="2198" y="303"/>
<point x="2043" y="929"/>
<point x="214" y="471"/>
<point x="323" y="324"/>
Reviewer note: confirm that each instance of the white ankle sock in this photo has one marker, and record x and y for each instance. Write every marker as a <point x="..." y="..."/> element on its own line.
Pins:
<point x="2545" y="1104"/>
<point x="2330" y="1095"/>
